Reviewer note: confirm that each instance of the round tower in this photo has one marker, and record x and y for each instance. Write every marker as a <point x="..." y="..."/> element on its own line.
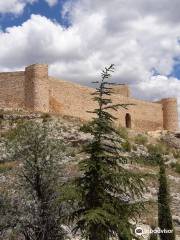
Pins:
<point x="37" y="88"/>
<point x="170" y="114"/>
<point x="121" y="90"/>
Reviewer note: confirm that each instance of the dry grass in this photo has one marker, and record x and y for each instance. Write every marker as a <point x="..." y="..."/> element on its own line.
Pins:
<point x="7" y="166"/>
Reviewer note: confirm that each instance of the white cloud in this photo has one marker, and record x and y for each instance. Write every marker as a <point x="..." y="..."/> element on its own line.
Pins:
<point x="52" y="2"/>
<point x="38" y="40"/>
<point x="137" y="37"/>
<point x="158" y="87"/>
<point x="13" y="6"/>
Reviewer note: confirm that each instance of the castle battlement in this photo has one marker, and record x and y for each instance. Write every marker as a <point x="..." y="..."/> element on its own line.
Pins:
<point x="34" y="90"/>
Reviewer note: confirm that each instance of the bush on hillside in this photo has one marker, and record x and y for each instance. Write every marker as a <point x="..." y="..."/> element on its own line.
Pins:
<point x="86" y="127"/>
<point x="141" y="139"/>
<point x="176" y="153"/>
<point x="158" y="148"/>
<point x="176" y="166"/>
<point x="126" y="146"/>
<point x="123" y="133"/>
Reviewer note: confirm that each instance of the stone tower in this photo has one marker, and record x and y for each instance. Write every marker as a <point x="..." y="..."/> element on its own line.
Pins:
<point x="37" y="88"/>
<point x="122" y="90"/>
<point x="170" y="114"/>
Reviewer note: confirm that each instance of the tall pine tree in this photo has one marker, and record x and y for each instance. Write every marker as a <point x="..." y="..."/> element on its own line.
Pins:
<point x="164" y="211"/>
<point x="108" y="191"/>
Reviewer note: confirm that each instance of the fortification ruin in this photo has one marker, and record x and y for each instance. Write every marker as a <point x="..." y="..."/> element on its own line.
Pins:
<point x="34" y="90"/>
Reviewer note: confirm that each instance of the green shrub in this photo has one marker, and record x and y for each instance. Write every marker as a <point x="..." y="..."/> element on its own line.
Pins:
<point x="172" y="164"/>
<point x="176" y="153"/>
<point x="176" y="166"/>
<point x="166" y="148"/>
<point x="134" y="147"/>
<point x="141" y="139"/>
<point x="123" y="133"/>
<point x="165" y="220"/>
<point x="13" y="235"/>
<point x="71" y="151"/>
<point x="126" y="146"/>
<point x="46" y="117"/>
<point x="155" y="151"/>
<point x="150" y="160"/>
<point x="13" y="132"/>
<point x="86" y="127"/>
<point x="158" y="148"/>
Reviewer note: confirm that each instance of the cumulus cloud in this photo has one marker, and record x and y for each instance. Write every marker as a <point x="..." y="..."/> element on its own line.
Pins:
<point x="13" y="6"/>
<point x="158" y="87"/>
<point x="38" y="40"/>
<point x="140" y="37"/>
<point x="52" y="2"/>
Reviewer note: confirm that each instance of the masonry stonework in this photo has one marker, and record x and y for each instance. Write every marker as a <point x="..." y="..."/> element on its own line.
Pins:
<point x="12" y="90"/>
<point x="34" y="90"/>
<point x="37" y="88"/>
<point x="170" y="116"/>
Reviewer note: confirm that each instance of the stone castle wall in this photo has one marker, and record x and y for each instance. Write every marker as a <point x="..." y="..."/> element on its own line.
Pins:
<point x="78" y="99"/>
<point x="12" y="90"/>
<point x="34" y="90"/>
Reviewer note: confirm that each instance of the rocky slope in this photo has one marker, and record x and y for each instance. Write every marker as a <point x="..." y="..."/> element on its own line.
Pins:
<point x="68" y="129"/>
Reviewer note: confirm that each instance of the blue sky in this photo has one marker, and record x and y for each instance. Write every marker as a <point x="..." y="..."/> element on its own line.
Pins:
<point x="39" y="7"/>
<point x="77" y="38"/>
<point x="176" y="69"/>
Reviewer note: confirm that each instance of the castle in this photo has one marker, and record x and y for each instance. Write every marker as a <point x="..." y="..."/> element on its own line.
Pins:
<point x="34" y="90"/>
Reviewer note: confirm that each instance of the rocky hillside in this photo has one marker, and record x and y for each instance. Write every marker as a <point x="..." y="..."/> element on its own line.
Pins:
<point x="134" y="144"/>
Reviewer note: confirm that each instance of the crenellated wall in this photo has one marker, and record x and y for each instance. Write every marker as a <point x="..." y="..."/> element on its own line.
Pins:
<point x="34" y="90"/>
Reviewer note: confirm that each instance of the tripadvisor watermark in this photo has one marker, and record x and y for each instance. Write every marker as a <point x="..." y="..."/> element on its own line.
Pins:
<point x="140" y="231"/>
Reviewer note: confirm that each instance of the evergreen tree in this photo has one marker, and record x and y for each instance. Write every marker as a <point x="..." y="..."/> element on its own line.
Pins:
<point x="108" y="191"/>
<point x="153" y="236"/>
<point x="164" y="211"/>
